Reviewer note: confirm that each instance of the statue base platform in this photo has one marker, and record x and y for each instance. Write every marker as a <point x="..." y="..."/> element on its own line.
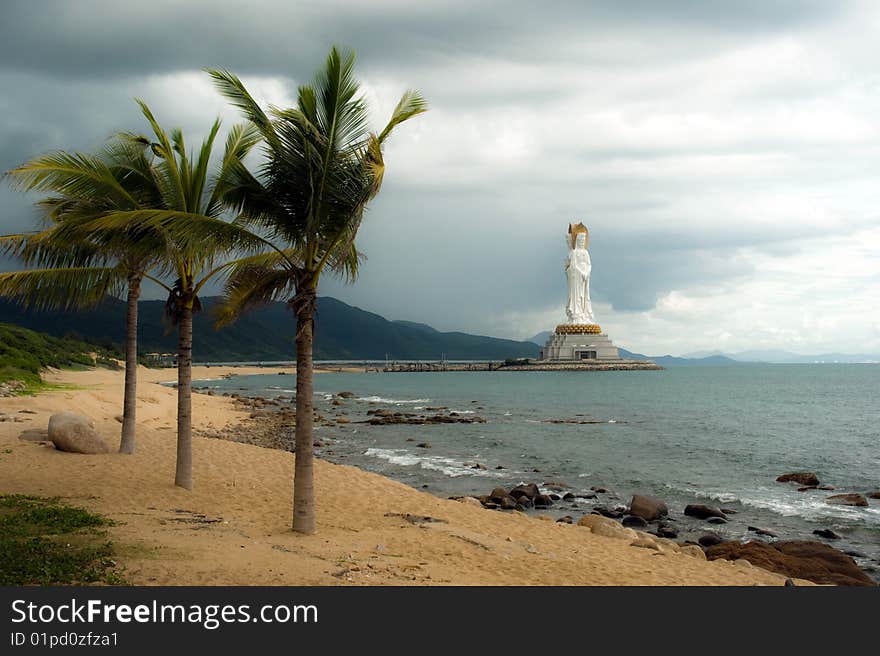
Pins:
<point x="579" y="343"/>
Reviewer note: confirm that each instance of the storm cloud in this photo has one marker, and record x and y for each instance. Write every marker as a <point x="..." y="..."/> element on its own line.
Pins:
<point x="723" y="155"/>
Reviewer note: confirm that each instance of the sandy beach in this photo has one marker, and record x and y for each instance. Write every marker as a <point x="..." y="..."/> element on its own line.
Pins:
<point x="234" y="527"/>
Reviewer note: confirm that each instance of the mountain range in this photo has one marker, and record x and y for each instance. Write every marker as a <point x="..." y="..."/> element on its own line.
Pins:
<point x="343" y="332"/>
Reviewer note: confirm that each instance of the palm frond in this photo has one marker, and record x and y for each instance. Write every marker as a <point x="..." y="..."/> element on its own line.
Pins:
<point x="61" y="288"/>
<point x="235" y="92"/>
<point x="72" y="175"/>
<point x="411" y="103"/>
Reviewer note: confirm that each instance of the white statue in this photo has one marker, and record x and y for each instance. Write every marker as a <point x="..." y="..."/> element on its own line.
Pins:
<point x="578" y="268"/>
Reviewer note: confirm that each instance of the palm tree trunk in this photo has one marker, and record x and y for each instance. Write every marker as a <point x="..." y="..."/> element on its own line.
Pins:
<point x="183" y="477"/>
<point x="303" y="474"/>
<point x="129" y="404"/>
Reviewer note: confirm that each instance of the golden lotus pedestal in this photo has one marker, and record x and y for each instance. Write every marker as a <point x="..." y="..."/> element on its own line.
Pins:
<point x="578" y="329"/>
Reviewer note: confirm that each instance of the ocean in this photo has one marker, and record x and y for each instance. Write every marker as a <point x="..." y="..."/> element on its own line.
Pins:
<point x="713" y="435"/>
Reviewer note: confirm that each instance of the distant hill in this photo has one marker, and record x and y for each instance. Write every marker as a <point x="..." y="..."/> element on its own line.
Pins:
<point x="663" y="360"/>
<point x="541" y="338"/>
<point x="777" y="356"/>
<point x="343" y="332"/>
<point x="673" y="361"/>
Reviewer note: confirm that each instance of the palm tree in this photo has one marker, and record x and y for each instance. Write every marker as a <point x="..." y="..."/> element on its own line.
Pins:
<point x="72" y="272"/>
<point x="196" y="241"/>
<point x="322" y="166"/>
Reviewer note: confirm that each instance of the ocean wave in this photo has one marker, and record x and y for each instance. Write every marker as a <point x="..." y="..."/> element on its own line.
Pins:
<point x="447" y="466"/>
<point x="461" y="412"/>
<point x="804" y="505"/>
<point x="382" y="399"/>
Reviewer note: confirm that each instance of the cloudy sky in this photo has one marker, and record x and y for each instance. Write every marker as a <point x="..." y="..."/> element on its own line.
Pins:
<point x="725" y="155"/>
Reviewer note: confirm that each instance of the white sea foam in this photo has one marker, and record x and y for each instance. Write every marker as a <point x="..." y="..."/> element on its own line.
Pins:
<point x="462" y="412"/>
<point x="447" y="466"/>
<point x="803" y="505"/>
<point x="382" y="399"/>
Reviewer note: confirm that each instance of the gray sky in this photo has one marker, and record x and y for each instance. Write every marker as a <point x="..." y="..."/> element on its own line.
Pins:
<point x="725" y="155"/>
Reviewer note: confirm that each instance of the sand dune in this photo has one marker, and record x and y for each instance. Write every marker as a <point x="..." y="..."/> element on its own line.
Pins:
<point x="234" y="527"/>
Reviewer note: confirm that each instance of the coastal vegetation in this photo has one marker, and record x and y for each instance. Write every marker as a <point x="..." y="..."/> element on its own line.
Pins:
<point x="46" y="542"/>
<point x="23" y="353"/>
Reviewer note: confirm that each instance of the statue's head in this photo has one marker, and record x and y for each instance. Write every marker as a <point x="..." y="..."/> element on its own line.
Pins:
<point x="579" y="235"/>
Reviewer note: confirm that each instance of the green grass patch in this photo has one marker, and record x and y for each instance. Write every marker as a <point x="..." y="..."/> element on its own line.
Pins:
<point x="23" y="353"/>
<point x="46" y="542"/>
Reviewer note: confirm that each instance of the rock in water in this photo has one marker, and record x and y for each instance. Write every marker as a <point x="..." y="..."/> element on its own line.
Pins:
<point x="666" y="532"/>
<point x="847" y="500"/>
<point x="762" y="531"/>
<point x="529" y="491"/>
<point x="700" y="511"/>
<point x="802" y="478"/>
<point x="508" y="503"/>
<point x="543" y="501"/>
<point x="634" y="521"/>
<point x="76" y="434"/>
<point x="826" y="533"/>
<point x="498" y="494"/>
<point x="804" y="559"/>
<point x="648" y="508"/>
<point x="710" y="540"/>
<point x="874" y="495"/>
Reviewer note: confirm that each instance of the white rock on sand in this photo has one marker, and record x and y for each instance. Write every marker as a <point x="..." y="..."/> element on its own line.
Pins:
<point x="75" y="434"/>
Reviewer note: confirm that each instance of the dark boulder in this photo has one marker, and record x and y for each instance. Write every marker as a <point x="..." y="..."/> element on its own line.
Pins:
<point x="805" y="559"/>
<point x="529" y="491"/>
<point x="666" y="532"/>
<point x="648" y="508"/>
<point x="710" y="540"/>
<point x="508" y="503"/>
<point x="802" y="478"/>
<point x="554" y="497"/>
<point x="524" y="501"/>
<point x="567" y="519"/>
<point x="826" y="533"/>
<point x="762" y="531"/>
<point x="568" y="496"/>
<point x="542" y="501"/>
<point x="847" y="500"/>
<point x="634" y="521"/>
<point x="716" y="520"/>
<point x="874" y="495"/>
<point x="599" y="490"/>
<point x="498" y="493"/>
<point x="700" y="511"/>
<point x="608" y="512"/>
<point x="345" y="395"/>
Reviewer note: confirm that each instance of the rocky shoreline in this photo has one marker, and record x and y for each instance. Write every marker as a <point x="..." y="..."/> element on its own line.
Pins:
<point x="271" y="423"/>
<point x="805" y="559"/>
